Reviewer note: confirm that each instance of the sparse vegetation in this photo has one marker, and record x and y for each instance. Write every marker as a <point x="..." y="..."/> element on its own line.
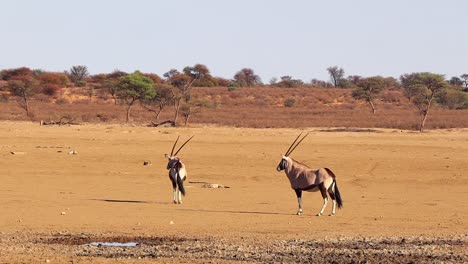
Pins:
<point x="271" y="105"/>
<point x="247" y="78"/>
<point x="289" y="102"/>
<point x="78" y="75"/>
<point x="24" y="87"/>
<point x="158" y="102"/>
<point x="134" y="87"/>
<point x="453" y="99"/>
<point x="336" y="75"/>
<point x="368" y="90"/>
<point x="288" y="82"/>
<point x="421" y="89"/>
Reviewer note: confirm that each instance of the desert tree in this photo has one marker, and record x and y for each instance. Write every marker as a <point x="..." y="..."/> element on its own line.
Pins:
<point x="197" y="72"/>
<point x="223" y="82"/>
<point x="78" y="74"/>
<point x="134" y="87"/>
<point x="368" y="90"/>
<point x="178" y="83"/>
<point x="17" y="72"/>
<point x="188" y="110"/>
<point x="464" y="78"/>
<point x="456" y="81"/>
<point x="157" y="103"/>
<point x="23" y="87"/>
<point x="453" y="98"/>
<point x="319" y="83"/>
<point x="336" y="75"/>
<point x="182" y="85"/>
<point x="273" y="81"/>
<point x="391" y="83"/>
<point x="354" y="79"/>
<point x="50" y="82"/>
<point x="288" y="82"/>
<point x="247" y="78"/>
<point x="422" y="89"/>
<point x="406" y="81"/>
<point x="201" y="74"/>
<point x="109" y="82"/>
<point x="110" y="86"/>
<point x="154" y="77"/>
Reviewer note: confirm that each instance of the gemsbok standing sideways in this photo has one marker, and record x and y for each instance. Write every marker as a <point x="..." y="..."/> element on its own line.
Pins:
<point x="177" y="172"/>
<point x="303" y="178"/>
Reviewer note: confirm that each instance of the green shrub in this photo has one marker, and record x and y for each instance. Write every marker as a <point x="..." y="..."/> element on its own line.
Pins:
<point x="290" y="102"/>
<point x="453" y="99"/>
<point x="80" y="83"/>
<point x="50" y="89"/>
<point x="62" y="101"/>
<point x="232" y="87"/>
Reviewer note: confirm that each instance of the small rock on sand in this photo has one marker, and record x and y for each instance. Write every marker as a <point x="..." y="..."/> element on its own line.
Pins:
<point x="214" y="186"/>
<point x="17" y="153"/>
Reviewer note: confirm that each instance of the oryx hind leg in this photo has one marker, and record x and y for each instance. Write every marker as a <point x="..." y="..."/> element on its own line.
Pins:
<point x="323" y="191"/>
<point x="174" y="194"/>
<point x="180" y="196"/>
<point x="331" y="192"/>
<point x="174" y="190"/>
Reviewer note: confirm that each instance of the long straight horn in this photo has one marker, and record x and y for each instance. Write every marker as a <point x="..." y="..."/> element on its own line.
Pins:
<point x="183" y="145"/>
<point x="173" y="147"/>
<point x="287" y="152"/>
<point x="298" y="143"/>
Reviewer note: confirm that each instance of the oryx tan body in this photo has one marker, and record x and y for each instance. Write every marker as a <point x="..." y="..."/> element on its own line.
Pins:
<point x="303" y="178"/>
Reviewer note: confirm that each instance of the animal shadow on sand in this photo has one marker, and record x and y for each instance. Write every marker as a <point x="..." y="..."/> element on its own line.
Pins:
<point x="128" y="201"/>
<point x="231" y="211"/>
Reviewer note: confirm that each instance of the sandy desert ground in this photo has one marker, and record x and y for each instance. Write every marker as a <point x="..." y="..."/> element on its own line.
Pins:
<point x="405" y="196"/>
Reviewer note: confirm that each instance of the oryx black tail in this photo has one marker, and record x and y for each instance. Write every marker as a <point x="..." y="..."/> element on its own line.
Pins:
<point x="180" y="184"/>
<point x="339" y="201"/>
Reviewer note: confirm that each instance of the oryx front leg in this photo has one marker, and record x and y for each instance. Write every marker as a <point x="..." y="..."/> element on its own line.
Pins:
<point x="299" y="201"/>
<point x="323" y="191"/>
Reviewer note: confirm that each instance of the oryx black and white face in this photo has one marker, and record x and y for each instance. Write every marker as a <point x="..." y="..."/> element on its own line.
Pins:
<point x="172" y="161"/>
<point x="284" y="160"/>
<point x="282" y="164"/>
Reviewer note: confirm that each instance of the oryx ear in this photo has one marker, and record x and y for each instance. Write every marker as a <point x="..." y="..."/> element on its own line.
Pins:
<point x="166" y="155"/>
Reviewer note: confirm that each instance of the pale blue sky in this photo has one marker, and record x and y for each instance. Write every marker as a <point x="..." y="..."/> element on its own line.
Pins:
<point x="300" y="38"/>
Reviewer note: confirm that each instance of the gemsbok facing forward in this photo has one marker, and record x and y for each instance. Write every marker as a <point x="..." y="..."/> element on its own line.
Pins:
<point x="177" y="172"/>
<point x="303" y="178"/>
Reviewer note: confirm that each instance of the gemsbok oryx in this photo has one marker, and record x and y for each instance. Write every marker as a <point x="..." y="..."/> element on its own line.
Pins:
<point x="303" y="178"/>
<point x="177" y="172"/>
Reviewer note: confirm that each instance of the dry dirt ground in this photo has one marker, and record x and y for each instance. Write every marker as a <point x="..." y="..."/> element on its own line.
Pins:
<point x="405" y="196"/>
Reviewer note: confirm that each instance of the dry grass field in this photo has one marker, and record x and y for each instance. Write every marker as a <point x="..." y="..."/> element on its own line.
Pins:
<point x="405" y="196"/>
<point x="259" y="107"/>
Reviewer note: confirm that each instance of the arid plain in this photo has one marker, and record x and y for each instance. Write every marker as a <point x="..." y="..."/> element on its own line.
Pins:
<point x="402" y="189"/>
